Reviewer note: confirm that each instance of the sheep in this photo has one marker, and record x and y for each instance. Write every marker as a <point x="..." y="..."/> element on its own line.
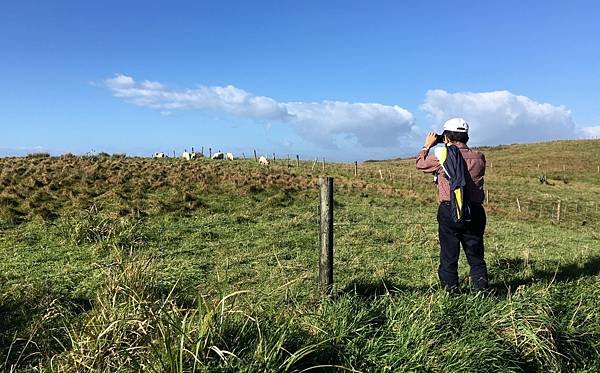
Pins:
<point x="263" y="161"/>
<point x="218" y="155"/>
<point x="229" y="156"/>
<point x="194" y="155"/>
<point x="159" y="155"/>
<point x="188" y="156"/>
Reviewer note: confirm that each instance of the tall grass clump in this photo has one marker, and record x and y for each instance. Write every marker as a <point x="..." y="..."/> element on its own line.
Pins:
<point x="547" y="331"/>
<point x="577" y="318"/>
<point x="525" y="322"/>
<point x="135" y="325"/>
<point x="10" y="214"/>
<point x="92" y="225"/>
<point x="116" y="332"/>
<point x="406" y="332"/>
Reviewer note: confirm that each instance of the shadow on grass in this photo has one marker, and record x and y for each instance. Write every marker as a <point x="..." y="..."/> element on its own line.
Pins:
<point x="19" y="319"/>
<point x="506" y="274"/>
<point x="514" y="272"/>
<point x="368" y="288"/>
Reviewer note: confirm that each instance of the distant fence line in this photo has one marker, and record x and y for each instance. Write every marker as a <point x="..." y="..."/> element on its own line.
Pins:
<point x="491" y="163"/>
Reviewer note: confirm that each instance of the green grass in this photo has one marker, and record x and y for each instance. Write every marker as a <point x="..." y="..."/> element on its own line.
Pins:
<point x="132" y="264"/>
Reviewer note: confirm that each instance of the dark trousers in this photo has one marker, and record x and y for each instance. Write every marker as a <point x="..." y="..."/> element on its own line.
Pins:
<point x="470" y="235"/>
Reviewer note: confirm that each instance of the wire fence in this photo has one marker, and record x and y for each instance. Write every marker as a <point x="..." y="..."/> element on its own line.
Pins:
<point x="560" y="209"/>
<point x="375" y="215"/>
<point x="241" y="238"/>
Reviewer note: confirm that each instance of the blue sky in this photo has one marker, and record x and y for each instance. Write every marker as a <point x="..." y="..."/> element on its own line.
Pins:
<point x="341" y="79"/>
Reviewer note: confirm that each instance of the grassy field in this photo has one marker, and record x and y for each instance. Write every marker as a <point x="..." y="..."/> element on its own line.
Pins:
<point x="128" y="264"/>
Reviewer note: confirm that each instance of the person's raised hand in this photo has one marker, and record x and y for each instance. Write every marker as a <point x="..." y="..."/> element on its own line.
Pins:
<point x="430" y="140"/>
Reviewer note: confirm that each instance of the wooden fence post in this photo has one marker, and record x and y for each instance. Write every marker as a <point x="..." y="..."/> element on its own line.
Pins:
<point x="297" y="160"/>
<point x="558" y="212"/>
<point x="323" y="164"/>
<point x="209" y="152"/>
<point x="314" y="164"/>
<point x="487" y="196"/>
<point x="326" y="236"/>
<point x="202" y="151"/>
<point x="519" y="205"/>
<point x="380" y="174"/>
<point x="355" y="168"/>
<point x="255" y="157"/>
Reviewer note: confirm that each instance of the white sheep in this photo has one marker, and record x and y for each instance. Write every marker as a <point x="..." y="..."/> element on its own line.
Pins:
<point x="229" y="156"/>
<point x="159" y="155"/>
<point x="187" y="156"/>
<point x="218" y="155"/>
<point x="194" y="155"/>
<point x="263" y="161"/>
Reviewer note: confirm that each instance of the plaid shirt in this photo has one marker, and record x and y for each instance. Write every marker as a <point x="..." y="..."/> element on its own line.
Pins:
<point x="475" y="163"/>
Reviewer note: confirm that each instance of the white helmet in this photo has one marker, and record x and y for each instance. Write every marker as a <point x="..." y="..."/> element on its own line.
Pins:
<point x="456" y="125"/>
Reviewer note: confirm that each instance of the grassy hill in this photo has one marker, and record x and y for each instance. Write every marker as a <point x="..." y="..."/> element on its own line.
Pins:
<point x="114" y="263"/>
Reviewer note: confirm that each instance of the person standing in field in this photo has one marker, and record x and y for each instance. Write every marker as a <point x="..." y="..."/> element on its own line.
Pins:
<point x="459" y="173"/>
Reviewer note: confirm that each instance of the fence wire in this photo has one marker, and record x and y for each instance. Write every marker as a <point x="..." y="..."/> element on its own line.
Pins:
<point x="140" y="256"/>
<point x="361" y="218"/>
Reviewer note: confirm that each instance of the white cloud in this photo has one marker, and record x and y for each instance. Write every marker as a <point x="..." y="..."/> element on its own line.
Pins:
<point x="9" y="150"/>
<point x="501" y="117"/>
<point x="592" y="132"/>
<point x="369" y="124"/>
<point x="22" y="148"/>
